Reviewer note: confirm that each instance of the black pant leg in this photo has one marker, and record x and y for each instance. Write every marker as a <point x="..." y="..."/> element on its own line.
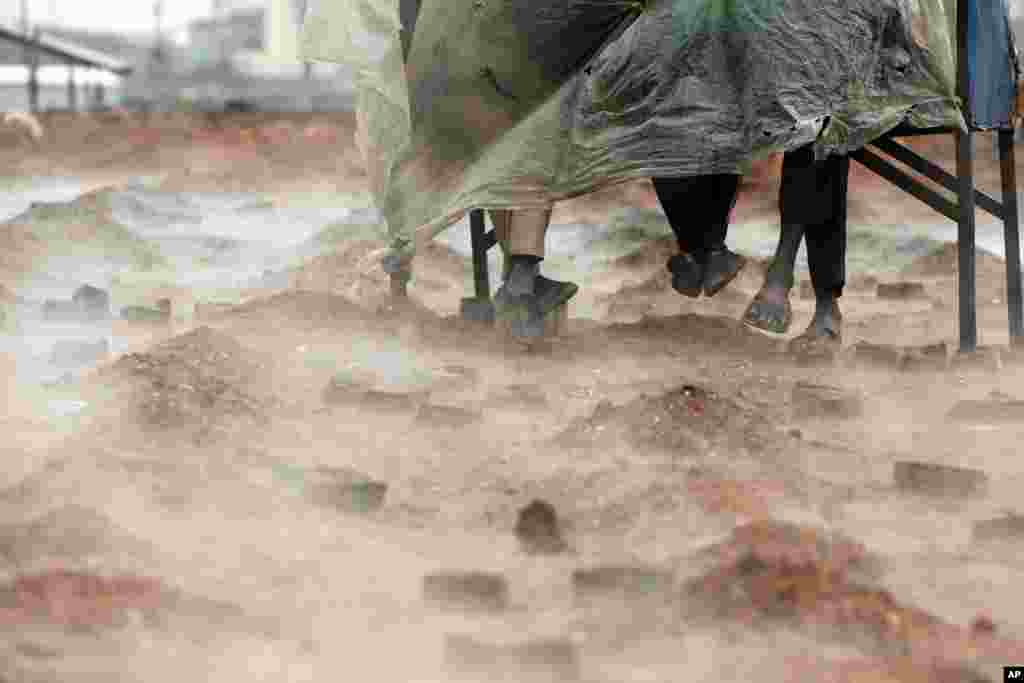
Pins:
<point x="826" y="240"/>
<point x="698" y="209"/>
<point x="813" y="194"/>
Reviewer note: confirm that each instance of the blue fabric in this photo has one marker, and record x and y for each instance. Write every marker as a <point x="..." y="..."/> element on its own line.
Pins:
<point x="991" y="64"/>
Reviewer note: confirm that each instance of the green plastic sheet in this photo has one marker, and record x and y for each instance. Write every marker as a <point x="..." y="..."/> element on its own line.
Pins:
<point x="522" y="103"/>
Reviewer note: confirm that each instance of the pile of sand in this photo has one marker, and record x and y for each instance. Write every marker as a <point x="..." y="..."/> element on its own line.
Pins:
<point x="194" y="382"/>
<point x="689" y="420"/>
<point x="85" y="224"/>
<point x="943" y="262"/>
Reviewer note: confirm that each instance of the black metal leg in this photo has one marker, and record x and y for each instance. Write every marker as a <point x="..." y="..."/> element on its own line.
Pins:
<point x="478" y="235"/>
<point x="479" y="308"/>
<point x="965" y="239"/>
<point x="1011" y="237"/>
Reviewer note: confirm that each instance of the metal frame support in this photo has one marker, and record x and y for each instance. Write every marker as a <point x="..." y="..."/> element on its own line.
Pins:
<point x="479" y="308"/>
<point x="966" y="242"/>
<point x="965" y="192"/>
<point x="933" y="171"/>
<point x="885" y="169"/>
<point x="478" y="236"/>
<point x="1011" y="236"/>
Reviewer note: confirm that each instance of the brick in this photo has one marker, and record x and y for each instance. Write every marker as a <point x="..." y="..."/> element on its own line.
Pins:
<point x="943" y="480"/>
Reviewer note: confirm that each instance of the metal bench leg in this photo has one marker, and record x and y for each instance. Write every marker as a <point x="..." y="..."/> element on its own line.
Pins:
<point x="965" y="240"/>
<point x="478" y="235"/>
<point x="1011" y="237"/>
<point x="479" y="308"/>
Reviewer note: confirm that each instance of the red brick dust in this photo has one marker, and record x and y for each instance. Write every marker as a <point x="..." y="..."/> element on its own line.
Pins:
<point x="72" y="598"/>
<point x="141" y="136"/>
<point x="723" y="496"/>
<point x="768" y="569"/>
<point x="808" y="669"/>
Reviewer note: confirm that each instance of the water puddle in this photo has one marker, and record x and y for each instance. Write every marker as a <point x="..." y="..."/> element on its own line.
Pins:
<point x="209" y="246"/>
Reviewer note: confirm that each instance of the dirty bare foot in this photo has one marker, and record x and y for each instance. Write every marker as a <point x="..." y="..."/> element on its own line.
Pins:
<point x="824" y="333"/>
<point x="770" y="310"/>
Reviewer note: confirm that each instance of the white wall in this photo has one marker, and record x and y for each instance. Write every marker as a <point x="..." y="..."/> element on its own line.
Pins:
<point x="282" y="29"/>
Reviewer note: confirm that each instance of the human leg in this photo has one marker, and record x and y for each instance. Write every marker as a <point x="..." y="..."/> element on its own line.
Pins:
<point x="525" y="296"/>
<point x="810" y="197"/>
<point x="698" y="210"/>
<point x="826" y="253"/>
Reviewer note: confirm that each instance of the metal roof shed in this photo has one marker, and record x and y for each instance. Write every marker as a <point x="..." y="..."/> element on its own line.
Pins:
<point x="64" y="51"/>
<point x="67" y="52"/>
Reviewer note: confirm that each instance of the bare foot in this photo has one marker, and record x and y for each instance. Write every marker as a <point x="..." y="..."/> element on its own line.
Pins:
<point x="770" y="310"/>
<point x="824" y="333"/>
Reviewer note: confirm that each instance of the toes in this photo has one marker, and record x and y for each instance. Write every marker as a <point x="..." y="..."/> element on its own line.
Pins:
<point x="767" y="316"/>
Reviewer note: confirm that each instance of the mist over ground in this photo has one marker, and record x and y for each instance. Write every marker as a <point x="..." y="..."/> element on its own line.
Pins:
<point x="240" y="460"/>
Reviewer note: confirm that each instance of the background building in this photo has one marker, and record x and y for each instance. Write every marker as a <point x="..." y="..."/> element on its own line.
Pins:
<point x="242" y="53"/>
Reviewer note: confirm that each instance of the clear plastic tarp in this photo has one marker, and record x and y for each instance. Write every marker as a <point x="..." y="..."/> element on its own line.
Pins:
<point x="521" y="103"/>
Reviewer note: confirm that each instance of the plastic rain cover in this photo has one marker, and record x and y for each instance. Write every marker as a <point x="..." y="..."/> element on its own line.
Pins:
<point x="521" y="103"/>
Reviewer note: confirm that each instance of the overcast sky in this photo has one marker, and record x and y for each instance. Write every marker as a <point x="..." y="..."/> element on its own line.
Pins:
<point x="122" y="16"/>
<point x="135" y="16"/>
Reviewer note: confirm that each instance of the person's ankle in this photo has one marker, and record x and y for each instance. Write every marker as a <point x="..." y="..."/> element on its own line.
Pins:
<point x="523" y="274"/>
<point x="776" y="282"/>
<point x="527" y="260"/>
<point x="826" y="303"/>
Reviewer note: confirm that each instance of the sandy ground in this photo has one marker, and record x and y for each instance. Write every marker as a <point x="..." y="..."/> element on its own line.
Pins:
<point x="208" y="510"/>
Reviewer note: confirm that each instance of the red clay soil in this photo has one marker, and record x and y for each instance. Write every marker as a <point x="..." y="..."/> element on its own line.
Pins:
<point x="777" y="570"/>
<point x="72" y="598"/>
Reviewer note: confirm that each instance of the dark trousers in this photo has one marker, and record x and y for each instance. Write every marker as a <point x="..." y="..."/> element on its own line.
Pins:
<point x="812" y="204"/>
<point x="698" y="209"/>
<point x="813" y="195"/>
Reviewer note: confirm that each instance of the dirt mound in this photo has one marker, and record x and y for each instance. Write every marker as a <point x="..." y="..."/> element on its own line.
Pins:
<point x="85" y="223"/>
<point x="638" y="296"/>
<point x="718" y="332"/>
<point x="195" y="381"/>
<point x="69" y="533"/>
<point x="943" y="262"/>
<point x="351" y="269"/>
<point x="692" y="416"/>
<point x="768" y="569"/>
<point x="443" y="258"/>
<point x="299" y="305"/>
<point x="690" y="419"/>
<point x="657" y="252"/>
